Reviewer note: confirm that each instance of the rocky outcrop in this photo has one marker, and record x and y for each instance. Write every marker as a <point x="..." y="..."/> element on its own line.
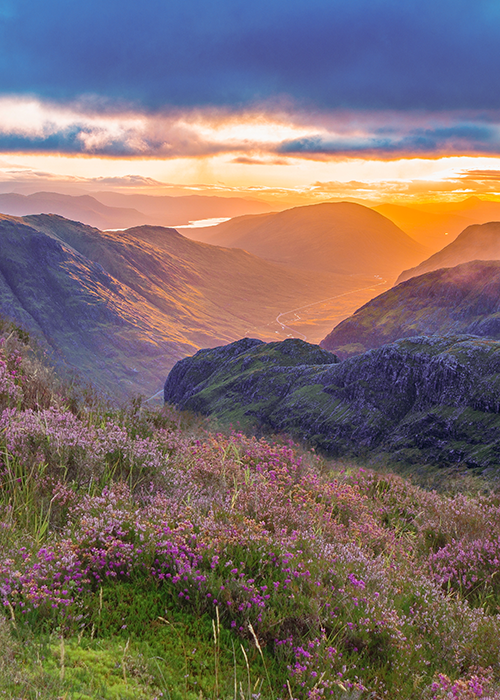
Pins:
<point x="421" y="399"/>
<point x="463" y="299"/>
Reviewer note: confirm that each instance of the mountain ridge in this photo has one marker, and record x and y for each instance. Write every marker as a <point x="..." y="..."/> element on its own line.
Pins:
<point x="476" y="242"/>
<point x="109" y="210"/>
<point x="123" y="307"/>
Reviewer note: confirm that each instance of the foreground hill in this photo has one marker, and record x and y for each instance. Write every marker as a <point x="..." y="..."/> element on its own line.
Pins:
<point x="110" y="210"/>
<point x="423" y="399"/>
<point x="461" y="299"/>
<point x="123" y="307"/>
<point x="144" y="557"/>
<point x="478" y="242"/>
<point x="340" y="237"/>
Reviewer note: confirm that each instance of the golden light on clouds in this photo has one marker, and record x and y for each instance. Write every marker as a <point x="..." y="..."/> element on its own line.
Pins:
<point x="271" y="155"/>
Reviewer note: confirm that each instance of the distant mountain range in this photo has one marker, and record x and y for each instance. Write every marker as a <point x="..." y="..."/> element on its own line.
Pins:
<point x="419" y="400"/>
<point x="461" y="299"/>
<point x="477" y="242"/>
<point x="123" y="307"/>
<point x="339" y="237"/>
<point x="110" y="210"/>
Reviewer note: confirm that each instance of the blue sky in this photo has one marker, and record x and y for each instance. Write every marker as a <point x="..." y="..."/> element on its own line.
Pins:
<point x="170" y="79"/>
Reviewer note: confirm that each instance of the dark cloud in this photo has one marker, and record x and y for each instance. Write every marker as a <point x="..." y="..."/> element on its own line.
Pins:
<point x="361" y="54"/>
<point x="160" y="136"/>
<point x="458" y="139"/>
<point x="65" y="141"/>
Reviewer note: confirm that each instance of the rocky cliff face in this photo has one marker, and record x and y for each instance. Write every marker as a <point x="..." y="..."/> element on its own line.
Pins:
<point x="463" y="299"/>
<point x="422" y="399"/>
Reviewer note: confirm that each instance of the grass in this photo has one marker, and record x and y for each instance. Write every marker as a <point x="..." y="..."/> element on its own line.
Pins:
<point x="175" y="655"/>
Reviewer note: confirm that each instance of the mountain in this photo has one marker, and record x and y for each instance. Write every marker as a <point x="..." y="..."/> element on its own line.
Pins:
<point x="78" y="208"/>
<point x="123" y="307"/>
<point x="110" y="210"/>
<point x="420" y="400"/>
<point x="339" y="237"/>
<point x="431" y="229"/>
<point x="177" y="211"/>
<point x="435" y="224"/>
<point x="477" y="242"/>
<point x="476" y="210"/>
<point x="461" y="299"/>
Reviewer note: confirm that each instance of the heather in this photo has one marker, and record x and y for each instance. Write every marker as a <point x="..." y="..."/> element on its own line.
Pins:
<point x="146" y="555"/>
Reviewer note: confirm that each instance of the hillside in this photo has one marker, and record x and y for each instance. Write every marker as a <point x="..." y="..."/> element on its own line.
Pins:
<point x="123" y="307"/>
<point x="419" y="400"/>
<point x="340" y="237"/>
<point x="461" y="299"/>
<point x="477" y="242"/>
<point x="143" y="557"/>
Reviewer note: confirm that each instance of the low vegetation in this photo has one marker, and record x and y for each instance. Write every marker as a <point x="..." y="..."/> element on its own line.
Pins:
<point x="143" y="555"/>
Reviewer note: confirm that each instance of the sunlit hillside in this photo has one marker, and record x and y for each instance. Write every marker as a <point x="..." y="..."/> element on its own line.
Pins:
<point x="339" y="237"/>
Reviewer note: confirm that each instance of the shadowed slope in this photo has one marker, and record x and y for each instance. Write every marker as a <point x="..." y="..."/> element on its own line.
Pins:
<point x="420" y="399"/>
<point x="461" y="299"/>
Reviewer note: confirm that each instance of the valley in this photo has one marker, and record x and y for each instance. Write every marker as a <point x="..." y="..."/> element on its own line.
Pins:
<point x="122" y="307"/>
<point x="266" y="456"/>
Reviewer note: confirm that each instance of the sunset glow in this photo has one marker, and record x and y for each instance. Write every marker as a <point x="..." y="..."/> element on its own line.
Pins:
<point x="287" y="104"/>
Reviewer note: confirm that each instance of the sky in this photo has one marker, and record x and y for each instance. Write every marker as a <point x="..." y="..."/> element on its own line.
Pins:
<point x="286" y="99"/>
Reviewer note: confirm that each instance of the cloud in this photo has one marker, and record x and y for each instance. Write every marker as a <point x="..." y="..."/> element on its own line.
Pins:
<point x="246" y="160"/>
<point x="481" y="175"/>
<point x="458" y="139"/>
<point x="326" y="54"/>
<point x="268" y="134"/>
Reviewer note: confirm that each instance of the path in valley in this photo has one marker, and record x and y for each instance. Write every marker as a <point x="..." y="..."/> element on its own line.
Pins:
<point x="295" y="332"/>
<point x="308" y="306"/>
